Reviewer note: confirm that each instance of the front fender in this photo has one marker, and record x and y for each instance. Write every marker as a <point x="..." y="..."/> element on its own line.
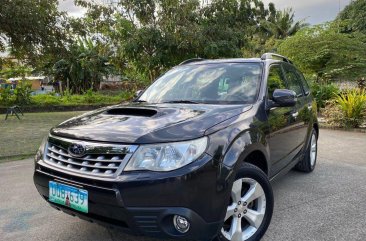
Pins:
<point x="227" y="156"/>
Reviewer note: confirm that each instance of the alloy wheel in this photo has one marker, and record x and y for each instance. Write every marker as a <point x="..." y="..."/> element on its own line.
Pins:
<point x="246" y="212"/>
<point x="313" y="149"/>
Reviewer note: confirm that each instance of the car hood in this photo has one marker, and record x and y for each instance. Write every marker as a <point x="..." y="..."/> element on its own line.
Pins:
<point x="147" y="123"/>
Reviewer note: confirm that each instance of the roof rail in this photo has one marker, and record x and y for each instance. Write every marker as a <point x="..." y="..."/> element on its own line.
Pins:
<point x="273" y="55"/>
<point x="191" y="61"/>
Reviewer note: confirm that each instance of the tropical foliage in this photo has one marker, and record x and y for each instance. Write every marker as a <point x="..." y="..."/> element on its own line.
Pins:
<point x="23" y="97"/>
<point x="84" y="67"/>
<point x="326" y="52"/>
<point x="353" y="105"/>
<point x="354" y="16"/>
<point x="324" y="92"/>
<point x="138" y="37"/>
<point x="31" y="28"/>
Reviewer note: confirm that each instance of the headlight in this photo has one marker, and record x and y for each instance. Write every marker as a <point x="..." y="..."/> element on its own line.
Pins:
<point x="41" y="150"/>
<point x="167" y="156"/>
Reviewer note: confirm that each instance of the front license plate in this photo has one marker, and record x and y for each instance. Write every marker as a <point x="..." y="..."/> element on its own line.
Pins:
<point x="68" y="196"/>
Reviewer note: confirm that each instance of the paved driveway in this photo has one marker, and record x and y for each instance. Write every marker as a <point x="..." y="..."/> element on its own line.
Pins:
<point x="328" y="204"/>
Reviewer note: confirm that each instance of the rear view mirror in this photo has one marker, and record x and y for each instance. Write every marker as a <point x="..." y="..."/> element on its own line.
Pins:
<point x="284" y="98"/>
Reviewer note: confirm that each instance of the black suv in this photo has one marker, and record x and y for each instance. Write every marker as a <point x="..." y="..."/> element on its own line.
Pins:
<point x="191" y="157"/>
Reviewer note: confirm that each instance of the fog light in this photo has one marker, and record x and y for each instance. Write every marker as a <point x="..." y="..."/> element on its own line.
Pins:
<point x="181" y="224"/>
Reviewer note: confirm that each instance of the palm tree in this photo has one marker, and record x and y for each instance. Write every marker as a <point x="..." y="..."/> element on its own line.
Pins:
<point x="86" y="65"/>
<point x="283" y="24"/>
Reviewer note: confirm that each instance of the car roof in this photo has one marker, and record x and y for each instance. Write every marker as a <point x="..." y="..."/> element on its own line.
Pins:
<point x="232" y="60"/>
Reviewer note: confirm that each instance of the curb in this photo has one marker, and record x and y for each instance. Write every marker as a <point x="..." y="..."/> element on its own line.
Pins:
<point x="359" y="130"/>
<point x="55" y="108"/>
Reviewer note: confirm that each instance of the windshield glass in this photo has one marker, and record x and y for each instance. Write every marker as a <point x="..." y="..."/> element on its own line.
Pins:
<point x="223" y="83"/>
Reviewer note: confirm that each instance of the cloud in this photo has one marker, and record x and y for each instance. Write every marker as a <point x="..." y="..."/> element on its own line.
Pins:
<point x="69" y="7"/>
<point x="313" y="11"/>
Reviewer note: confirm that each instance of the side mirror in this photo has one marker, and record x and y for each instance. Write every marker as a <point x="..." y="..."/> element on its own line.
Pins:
<point x="283" y="98"/>
<point x="137" y="94"/>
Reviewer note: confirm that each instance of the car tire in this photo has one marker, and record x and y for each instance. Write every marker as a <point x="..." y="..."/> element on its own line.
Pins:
<point x="253" y="216"/>
<point x="308" y="163"/>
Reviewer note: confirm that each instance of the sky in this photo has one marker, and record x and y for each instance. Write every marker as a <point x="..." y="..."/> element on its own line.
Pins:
<point x="313" y="11"/>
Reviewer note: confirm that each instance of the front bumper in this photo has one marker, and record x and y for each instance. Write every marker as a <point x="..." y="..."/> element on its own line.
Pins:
<point x="145" y="203"/>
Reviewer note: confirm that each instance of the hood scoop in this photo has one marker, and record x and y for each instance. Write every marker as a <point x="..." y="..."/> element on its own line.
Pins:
<point x="132" y="112"/>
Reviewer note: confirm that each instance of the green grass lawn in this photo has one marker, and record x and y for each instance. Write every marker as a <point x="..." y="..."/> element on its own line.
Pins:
<point x="21" y="138"/>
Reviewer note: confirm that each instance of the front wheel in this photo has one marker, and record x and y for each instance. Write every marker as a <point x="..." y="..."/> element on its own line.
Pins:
<point x="251" y="205"/>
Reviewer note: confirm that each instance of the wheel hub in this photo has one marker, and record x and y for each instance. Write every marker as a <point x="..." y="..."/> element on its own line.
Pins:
<point x="241" y="209"/>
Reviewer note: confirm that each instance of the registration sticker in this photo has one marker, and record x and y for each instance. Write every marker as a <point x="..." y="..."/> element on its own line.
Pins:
<point x="68" y="196"/>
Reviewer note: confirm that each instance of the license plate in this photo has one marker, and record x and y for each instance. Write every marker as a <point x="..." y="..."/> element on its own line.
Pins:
<point x="68" y="196"/>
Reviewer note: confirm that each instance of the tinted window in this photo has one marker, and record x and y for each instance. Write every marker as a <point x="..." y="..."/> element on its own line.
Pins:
<point x="303" y="82"/>
<point x="276" y="80"/>
<point x="226" y="83"/>
<point x="293" y="81"/>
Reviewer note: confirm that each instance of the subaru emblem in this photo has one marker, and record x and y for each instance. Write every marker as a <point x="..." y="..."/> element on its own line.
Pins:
<point x="77" y="150"/>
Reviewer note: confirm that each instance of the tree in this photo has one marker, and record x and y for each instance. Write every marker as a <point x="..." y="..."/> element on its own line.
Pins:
<point x="154" y="35"/>
<point x="282" y="24"/>
<point x="31" y="28"/>
<point x="273" y="27"/>
<point x="354" y="17"/>
<point x="85" y="66"/>
<point x="324" y="51"/>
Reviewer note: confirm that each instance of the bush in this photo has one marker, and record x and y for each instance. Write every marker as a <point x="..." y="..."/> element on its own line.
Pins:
<point x="88" y="98"/>
<point x="6" y="96"/>
<point x="352" y="104"/>
<point x="333" y="114"/>
<point x="23" y="93"/>
<point x="46" y="100"/>
<point x="323" y="93"/>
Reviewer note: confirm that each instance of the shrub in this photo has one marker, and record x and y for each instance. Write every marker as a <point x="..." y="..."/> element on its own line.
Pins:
<point x="6" y="97"/>
<point x="45" y="100"/>
<point x="323" y="92"/>
<point x="352" y="104"/>
<point x="23" y="93"/>
<point x="332" y="114"/>
<point x="88" y="98"/>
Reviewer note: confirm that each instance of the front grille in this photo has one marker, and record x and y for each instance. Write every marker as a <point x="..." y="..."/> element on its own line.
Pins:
<point x="99" y="159"/>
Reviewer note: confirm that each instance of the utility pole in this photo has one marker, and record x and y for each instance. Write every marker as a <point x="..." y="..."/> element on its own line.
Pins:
<point x="339" y="10"/>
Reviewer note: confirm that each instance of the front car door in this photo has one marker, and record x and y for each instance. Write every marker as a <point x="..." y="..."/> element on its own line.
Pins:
<point x="302" y="115"/>
<point x="286" y="129"/>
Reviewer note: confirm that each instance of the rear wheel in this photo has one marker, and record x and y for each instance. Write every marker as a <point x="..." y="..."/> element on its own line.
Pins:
<point x="251" y="205"/>
<point x="307" y="164"/>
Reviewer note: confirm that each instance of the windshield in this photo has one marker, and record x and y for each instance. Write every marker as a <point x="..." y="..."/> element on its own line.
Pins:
<point x="223" y="83"/>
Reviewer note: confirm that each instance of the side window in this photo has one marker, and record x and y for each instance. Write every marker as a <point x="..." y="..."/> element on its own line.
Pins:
<point x="293" y="81"/>
<point x="275" y="80"/>
<point x="303" y="82"/>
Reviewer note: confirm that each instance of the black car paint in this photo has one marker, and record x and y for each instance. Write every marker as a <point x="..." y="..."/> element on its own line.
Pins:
<point x="234" y="131"/>
<point x="172" y="122"/>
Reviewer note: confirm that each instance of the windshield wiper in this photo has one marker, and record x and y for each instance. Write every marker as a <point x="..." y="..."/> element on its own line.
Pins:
<point x="140" y="101"/>
<point x="182" y="102"/>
